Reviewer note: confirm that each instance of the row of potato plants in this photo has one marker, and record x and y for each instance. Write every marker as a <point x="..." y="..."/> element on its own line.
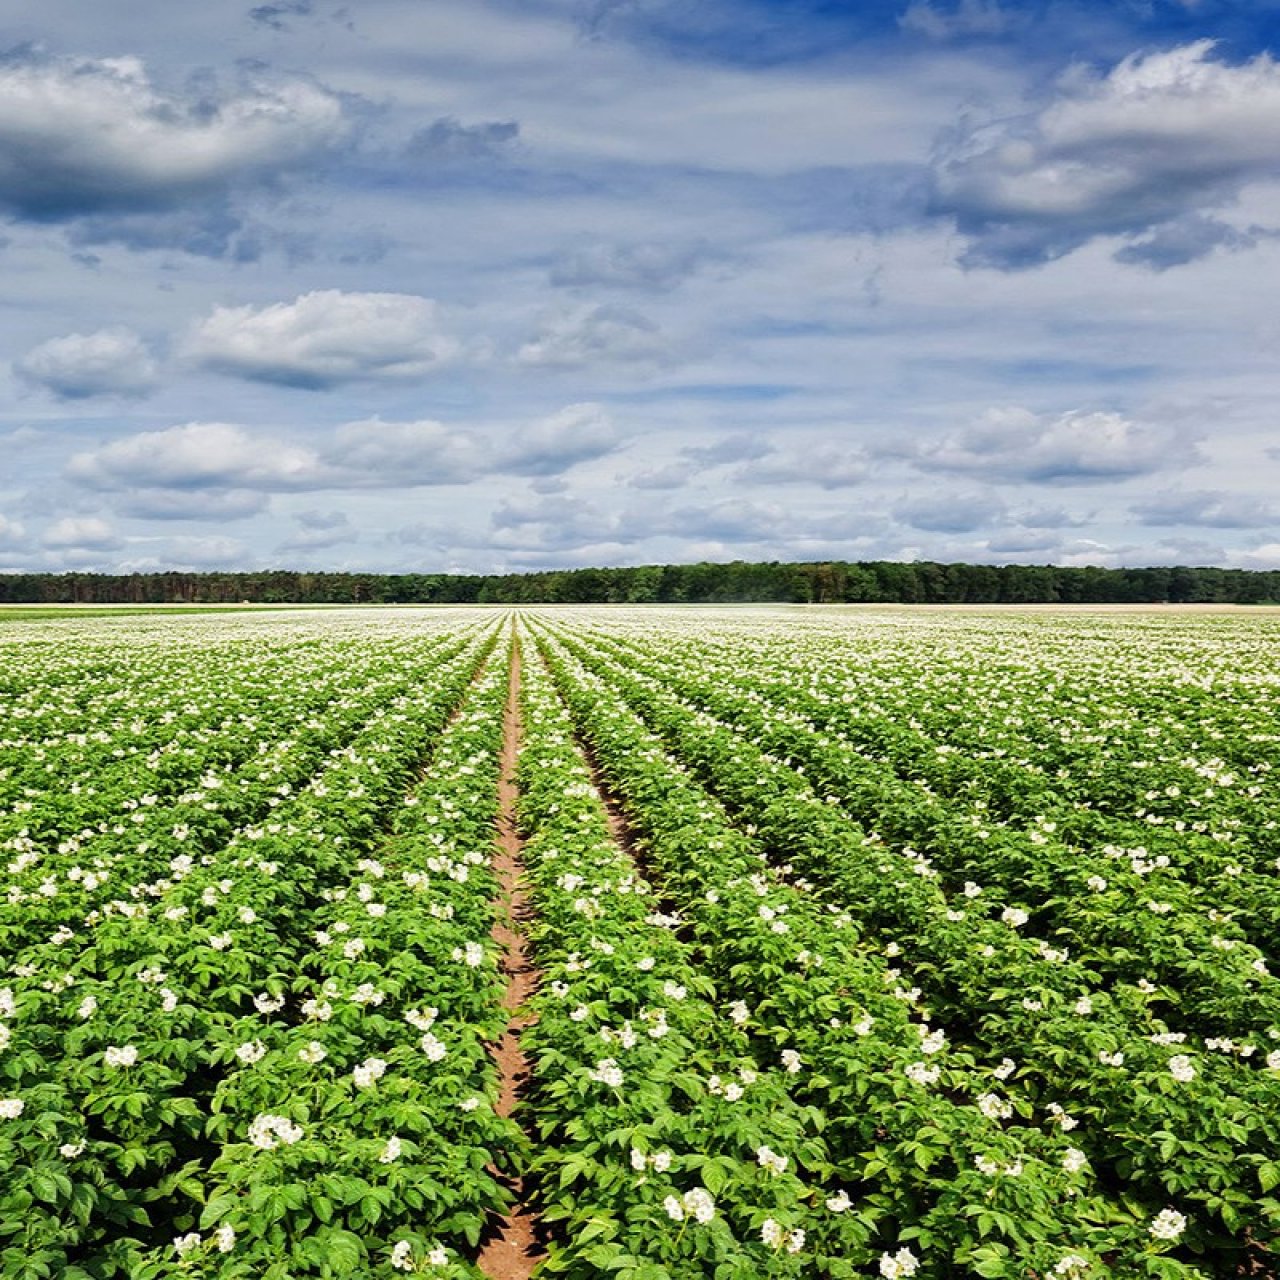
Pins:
<point x="668" y="1145"/>
<point x="120" y="946"/>
<point x="948" y="1172"/>
<point x="1218" y="987"/>
<point x="140" y="705"/>
<point x="55" y="879"/>
<point x="1154" y="1118"/>
<point x="149" y="716"/>
<point x="1036" y="815"/>
<point x="1219" y="984"/>
<point x="380" y="1089"/>
<point x="1155" y="741"/>
<point x="122" y="1031"/>
<point x="1195" y="1128"/>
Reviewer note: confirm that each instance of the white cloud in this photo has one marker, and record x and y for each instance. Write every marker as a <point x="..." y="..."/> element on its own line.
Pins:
<point x="577" y="433"/>
<point x="111" y="361"/>
<point x="12" y="534"/>
<point x="199" y="455"/>
<point x="671" y="475"/>
<point x="195" y="553"/>
<point x="650" y="267"/>
<point x="827" y="465"/>
<point x="81" y="533"/>
<point x="950" y="512"/>
<point x="595" y="335"/>
<point x="79" y="135"/>
<point x="374" y="453"/>
<point x="1207" y="508"/>
<point x="318" y="530"/>
<point x="560" y="522"/>
<point x="1070" y="448"/>
<point x="218" y="470"/>
<point x="325" y="338"/>
<point x="1160" y="137"/>
<point x="1266" y="556"/>
<point x="193" y="504"/>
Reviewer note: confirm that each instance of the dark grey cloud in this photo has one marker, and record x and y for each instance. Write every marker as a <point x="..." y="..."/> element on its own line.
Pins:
<point x="277" y="15"/>
<point x="86" y="136"/>
<point x="1137" y="153"/>
<point x="79" y="366"/>
<point x="448" y="141"/>
<point x="209" y="230"/>
<point x="1208" y="509"/>
<point x="1184" y="239"/>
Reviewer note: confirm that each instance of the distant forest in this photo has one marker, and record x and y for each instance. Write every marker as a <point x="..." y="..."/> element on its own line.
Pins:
<point x="826" y="582"/>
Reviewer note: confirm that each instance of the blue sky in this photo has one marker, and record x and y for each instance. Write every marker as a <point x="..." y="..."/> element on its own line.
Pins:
<point x="468" y="285"/>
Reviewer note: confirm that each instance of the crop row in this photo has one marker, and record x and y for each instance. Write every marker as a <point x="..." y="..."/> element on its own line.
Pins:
<point x="57" y="880"/>
<point x="126" y="1048"/>
<point x="1197" y="839"/>
<point x="670" y="1145"/>
<point x="1138" y="923"/>
<point x="937" y="1153"/>
<point x="1198" y="1129"/>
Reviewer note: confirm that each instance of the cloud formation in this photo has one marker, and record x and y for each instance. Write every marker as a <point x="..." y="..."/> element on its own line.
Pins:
<point x="448" y="141"/>
<point x="92" y="135"/>
<point x="319" y="530"/>
<point x="199" y="455"/>
<point x="950" y="513"/>
<point x="653" y="268"/>
<point x="827" y="465"/>
<point x="216" y="469"/>
<point x="325" y="338"/>
<point x="1139" y="151"/>
<point x="112" y="361"/>
<point x="1208" y="509"/>
<point x="1077" y="447"/>
<point x="577" y="433"/>
<point x="968" y="18"/>
<point x="595" y="335"/>
<point x="81" y="533"/>
<point x="13" y="536"/>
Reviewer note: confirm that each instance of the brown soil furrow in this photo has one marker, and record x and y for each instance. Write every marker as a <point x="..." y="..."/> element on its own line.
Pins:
<point x="514" y="1251"/>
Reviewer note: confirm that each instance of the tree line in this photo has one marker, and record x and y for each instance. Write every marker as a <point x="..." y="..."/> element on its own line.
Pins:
<point x="825" y="582"/>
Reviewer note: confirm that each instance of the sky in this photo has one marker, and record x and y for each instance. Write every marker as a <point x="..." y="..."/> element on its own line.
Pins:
<point x="483" y="285"/>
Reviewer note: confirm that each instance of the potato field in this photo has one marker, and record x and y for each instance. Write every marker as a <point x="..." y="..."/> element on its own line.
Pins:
<point x="648" y="944"/>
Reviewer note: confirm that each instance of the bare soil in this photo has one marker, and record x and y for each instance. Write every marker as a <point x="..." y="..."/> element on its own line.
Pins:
<point x="515" y="1249"/>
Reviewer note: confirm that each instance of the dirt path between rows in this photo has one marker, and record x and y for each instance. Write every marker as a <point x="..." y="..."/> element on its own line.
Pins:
<point x="514" y="1251"/>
